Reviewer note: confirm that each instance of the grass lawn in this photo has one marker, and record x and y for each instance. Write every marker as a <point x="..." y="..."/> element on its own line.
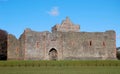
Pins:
<point x="61" y="70"/>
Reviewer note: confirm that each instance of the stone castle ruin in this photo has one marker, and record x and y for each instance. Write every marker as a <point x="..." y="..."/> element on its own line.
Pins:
<point x="65" y="42"/>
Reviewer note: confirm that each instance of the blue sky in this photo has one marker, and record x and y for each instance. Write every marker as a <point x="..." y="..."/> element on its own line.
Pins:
<point x="41" y="15"/>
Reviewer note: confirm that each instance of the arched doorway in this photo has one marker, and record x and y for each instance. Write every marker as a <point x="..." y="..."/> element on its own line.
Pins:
<point x="53" y="54"/>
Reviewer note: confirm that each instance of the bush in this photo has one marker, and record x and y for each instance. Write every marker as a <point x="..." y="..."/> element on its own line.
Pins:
<point x="118" y="55"/>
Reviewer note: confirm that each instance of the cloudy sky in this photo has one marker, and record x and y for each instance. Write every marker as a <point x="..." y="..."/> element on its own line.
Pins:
<point x="41" y="15"/>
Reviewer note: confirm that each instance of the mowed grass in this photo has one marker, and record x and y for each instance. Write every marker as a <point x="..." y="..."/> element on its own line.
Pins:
<point x="61" y="70"/>
<point x="60" y="67"/>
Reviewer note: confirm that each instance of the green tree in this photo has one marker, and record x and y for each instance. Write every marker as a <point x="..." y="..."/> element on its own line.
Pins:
<point x="3" y="44"/>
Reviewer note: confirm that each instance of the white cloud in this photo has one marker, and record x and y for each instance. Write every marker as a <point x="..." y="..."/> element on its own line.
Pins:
<point x="54" y="11"/>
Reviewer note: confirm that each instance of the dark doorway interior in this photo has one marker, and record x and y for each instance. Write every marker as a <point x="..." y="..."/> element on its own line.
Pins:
<point x="53" y="54"/>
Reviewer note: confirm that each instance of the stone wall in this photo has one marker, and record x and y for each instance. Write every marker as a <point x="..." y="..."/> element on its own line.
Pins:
<point x="85" y="45"/>
<point x="64" y="43"/>
<point x="13" y="48"/>
<point x="54" y="41"/>
<point x="39" y="44"/>
<point x="35" y="44"/>
<point x="66" y="26"/>
<point x="16" y="47"/>
<point x="70" y="45"/>
<point x="22" y="47"/>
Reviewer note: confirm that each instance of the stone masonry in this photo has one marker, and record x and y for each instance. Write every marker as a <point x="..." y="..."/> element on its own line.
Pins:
<point x="65" y="42"/>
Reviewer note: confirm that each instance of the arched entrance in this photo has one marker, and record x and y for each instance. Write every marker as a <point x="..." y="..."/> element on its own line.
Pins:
<point x="53" y="55"/>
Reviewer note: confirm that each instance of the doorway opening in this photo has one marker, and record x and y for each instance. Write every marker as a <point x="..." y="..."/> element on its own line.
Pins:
<point x="53" y="55"/>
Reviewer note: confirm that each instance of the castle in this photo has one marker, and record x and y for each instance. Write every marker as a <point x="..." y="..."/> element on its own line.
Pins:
<point x="65" y="42"/>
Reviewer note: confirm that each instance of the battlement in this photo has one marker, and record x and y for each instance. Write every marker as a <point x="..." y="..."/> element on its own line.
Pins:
<point x="66" y="26"/>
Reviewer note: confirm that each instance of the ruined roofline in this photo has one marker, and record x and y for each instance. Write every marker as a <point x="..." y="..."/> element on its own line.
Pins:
<point x="66" y="26"/>
<point x="63" y="27"/>
<point x="67" y="20"/>
<point x="30" y="30"/>
<point x="98" y="31"/>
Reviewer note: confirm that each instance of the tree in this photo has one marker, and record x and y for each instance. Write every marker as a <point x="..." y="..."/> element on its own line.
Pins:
<point x="3" y="44"/>
<point x="118" y="53"/>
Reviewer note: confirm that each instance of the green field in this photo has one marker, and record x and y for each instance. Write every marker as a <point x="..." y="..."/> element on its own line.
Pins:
<point x="61" y="70"/>
<point x="60" y="67"/>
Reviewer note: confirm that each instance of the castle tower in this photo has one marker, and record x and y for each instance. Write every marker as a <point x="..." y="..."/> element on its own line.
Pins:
<point x="66" y="26"/>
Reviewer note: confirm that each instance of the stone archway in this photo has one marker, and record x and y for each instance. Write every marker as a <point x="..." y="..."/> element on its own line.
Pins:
<point x="53" y="55"/>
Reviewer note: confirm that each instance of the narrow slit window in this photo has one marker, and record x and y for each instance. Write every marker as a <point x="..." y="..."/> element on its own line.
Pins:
<point x="38" y="44"/>
<point x="90" y="43"/>
<point x="103" y="43"/>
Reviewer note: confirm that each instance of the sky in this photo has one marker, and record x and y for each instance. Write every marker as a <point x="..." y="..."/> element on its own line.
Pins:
<point x="41" y="15"/>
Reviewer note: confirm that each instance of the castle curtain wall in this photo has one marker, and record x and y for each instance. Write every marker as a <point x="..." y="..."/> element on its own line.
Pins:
<point x="65" y="42"/>
<point x="13" y="48"/>
<point x="54" y="41"/>
<point x="22" y="40"/>
<point x="97" y="45"/>
<point x="39" y="44"/>
<point x="35" y="45"/>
